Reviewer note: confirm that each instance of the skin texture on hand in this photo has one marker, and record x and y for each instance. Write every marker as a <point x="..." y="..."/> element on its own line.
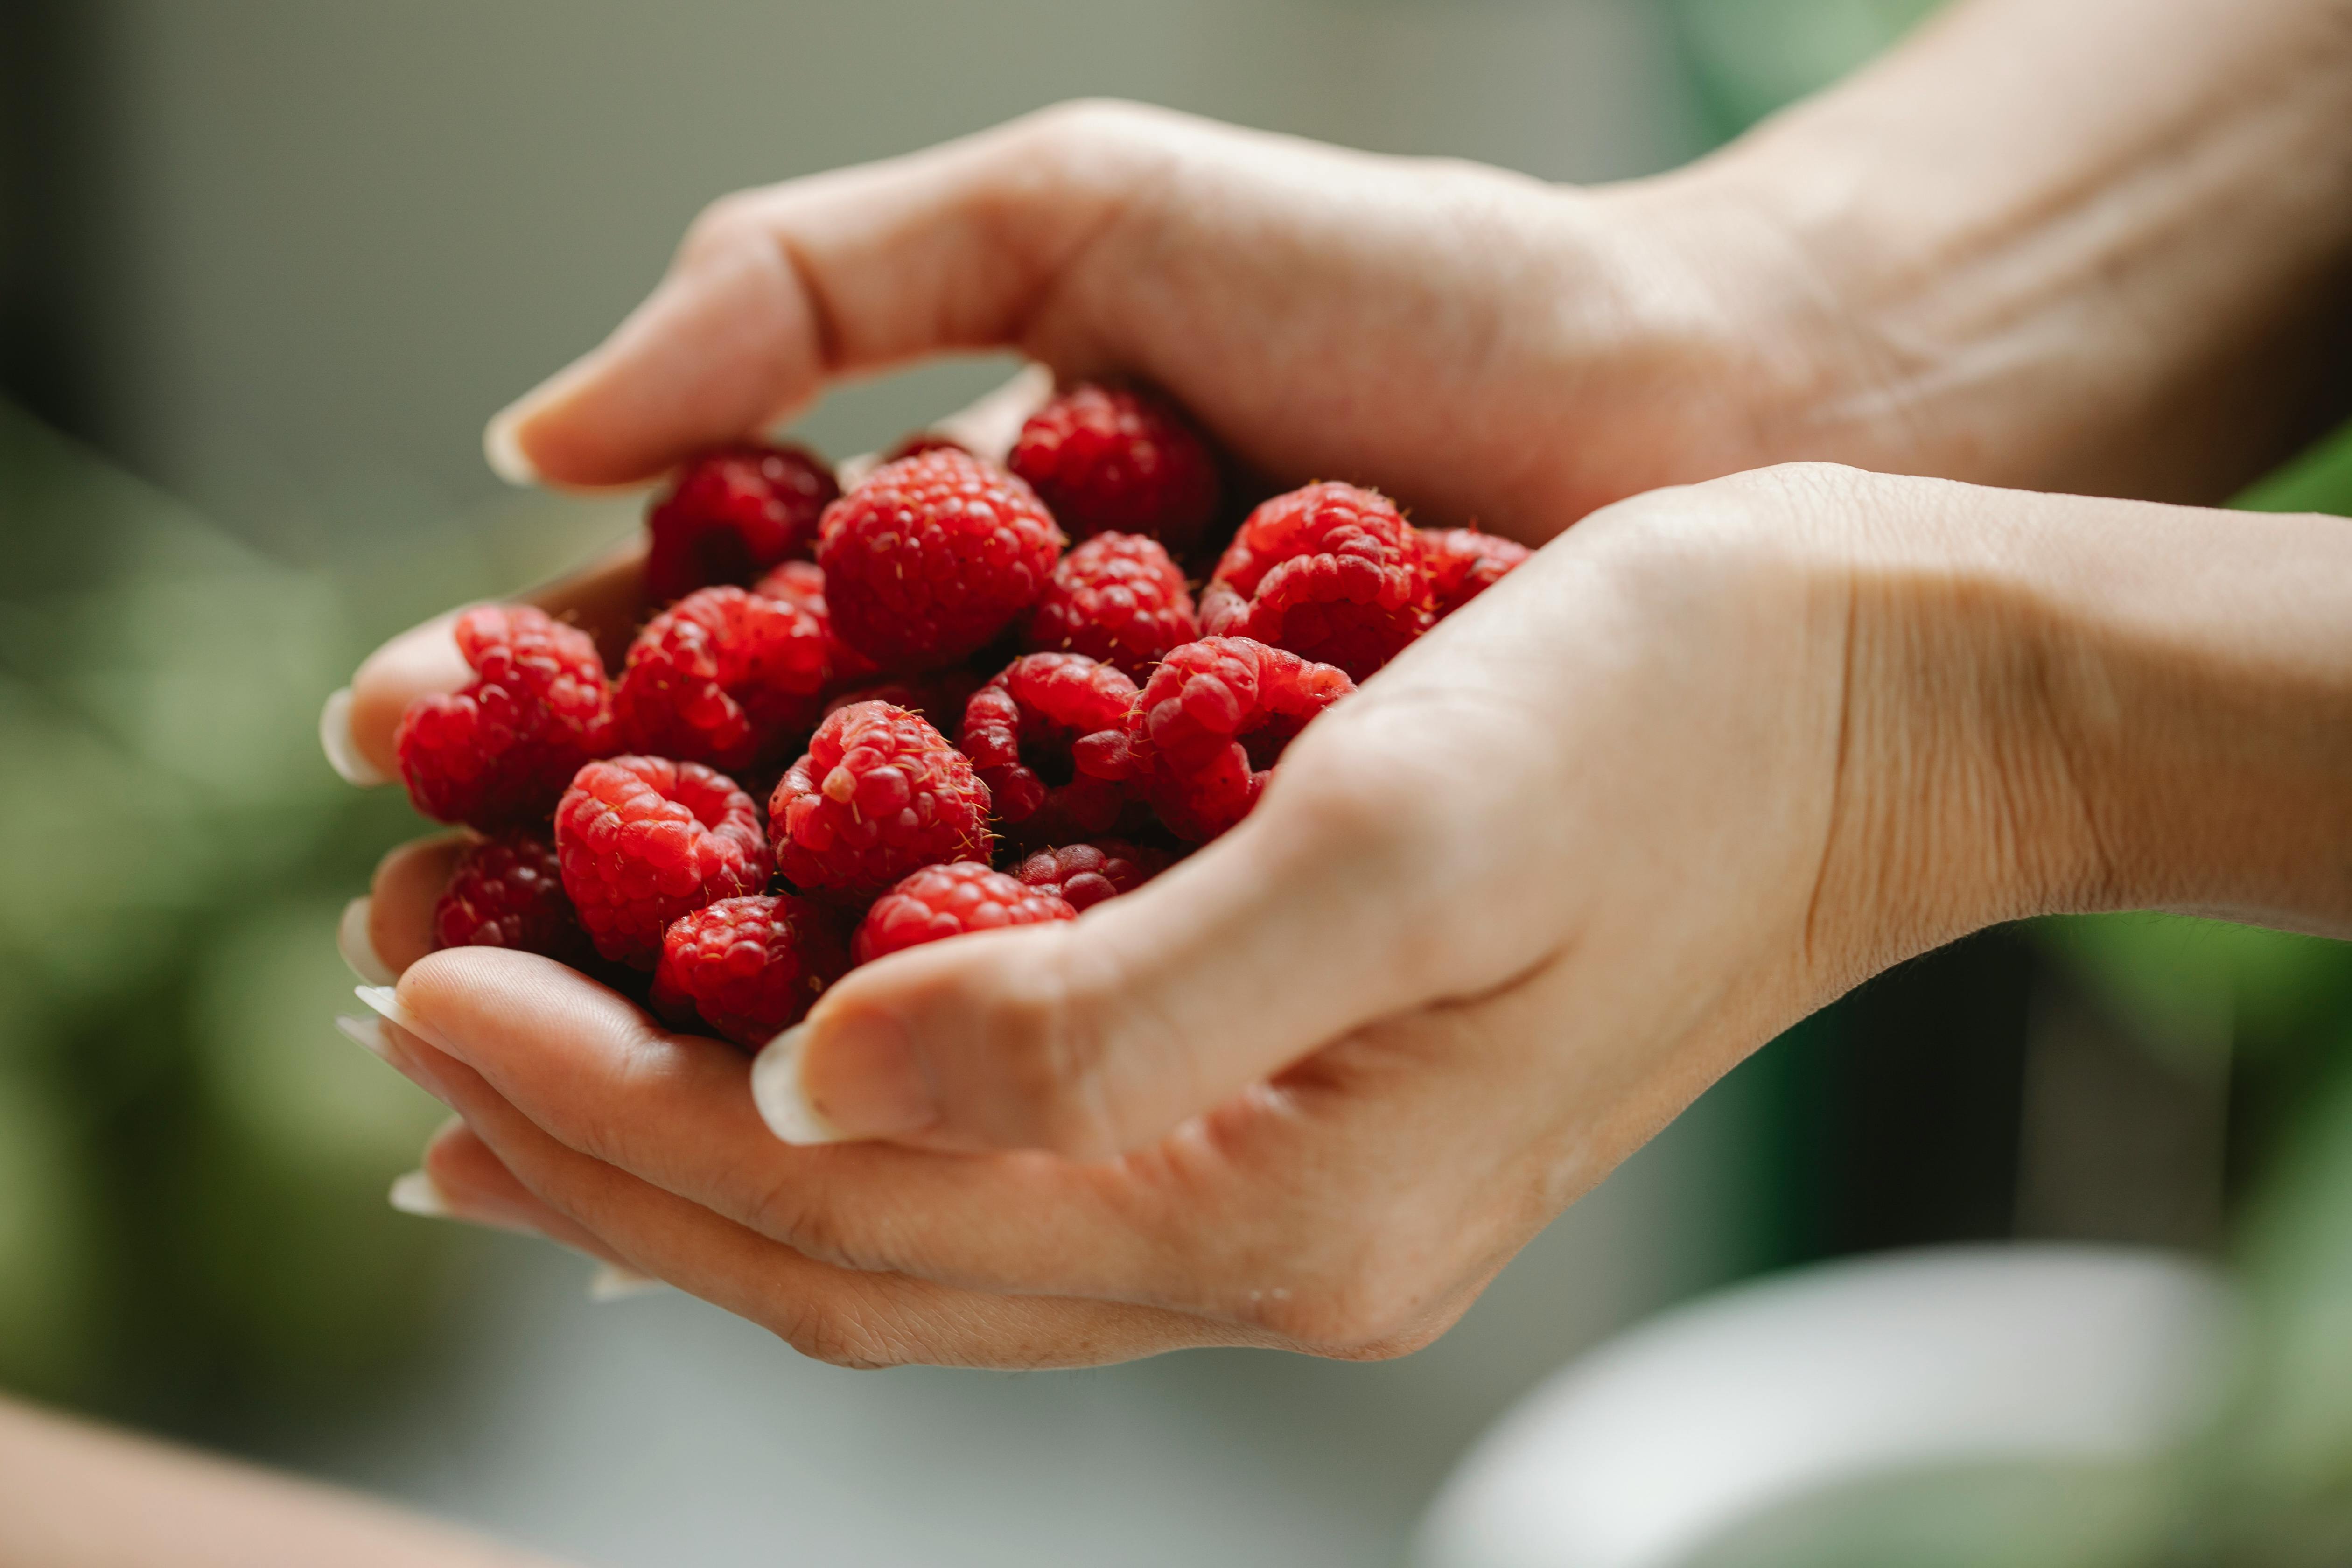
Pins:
<point x="1711" y="757"/>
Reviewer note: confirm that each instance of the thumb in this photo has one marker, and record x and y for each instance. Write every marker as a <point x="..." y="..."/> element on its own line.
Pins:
<point x="1098" y="1036"/>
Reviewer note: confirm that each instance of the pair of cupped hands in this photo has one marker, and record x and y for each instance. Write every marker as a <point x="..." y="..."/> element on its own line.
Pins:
<point x="1674" y="784"/>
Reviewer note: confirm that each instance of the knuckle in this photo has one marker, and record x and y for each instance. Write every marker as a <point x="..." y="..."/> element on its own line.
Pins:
<point x="1370" y="1309"/>
<point x="1047" y="1041"/>
<point x="733" y="223"/>
<point x="836" y="1335"/>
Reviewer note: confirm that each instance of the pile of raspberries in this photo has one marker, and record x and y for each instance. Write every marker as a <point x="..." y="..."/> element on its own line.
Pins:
<point x="957" y="718"/>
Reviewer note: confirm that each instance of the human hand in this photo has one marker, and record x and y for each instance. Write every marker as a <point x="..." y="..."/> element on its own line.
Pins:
<point x="1698" y="766"/>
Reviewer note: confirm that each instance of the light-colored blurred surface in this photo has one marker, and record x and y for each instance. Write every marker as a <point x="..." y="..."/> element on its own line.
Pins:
<point x="1649" y="1451"/>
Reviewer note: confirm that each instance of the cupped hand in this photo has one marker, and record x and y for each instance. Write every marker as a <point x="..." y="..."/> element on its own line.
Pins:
<point x="1497" y="919"/>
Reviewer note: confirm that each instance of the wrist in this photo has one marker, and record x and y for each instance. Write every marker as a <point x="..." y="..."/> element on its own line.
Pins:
<point x="2057" y="703"/>
<point x="2106" y="249"/>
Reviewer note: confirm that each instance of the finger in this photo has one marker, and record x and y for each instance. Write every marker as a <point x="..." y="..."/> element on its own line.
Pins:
<point x="774" y="291"/>
<point x="846" y="1316"/>
<point x="391" y="926"/>
<point x="360" y="721"/>
<point x="465" y="1180"/>
<point x="1287" y="1212"/>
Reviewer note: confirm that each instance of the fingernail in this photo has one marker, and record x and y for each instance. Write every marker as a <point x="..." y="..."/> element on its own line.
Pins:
<point x="353" y="941"/>
<point x="870" y="1084"/>
<point x="368" y="1034"/>
<point x="416" y="1191"/>
<point x="342" y="747"/>
<point x="851" y="472"/>
<point x="385" y="1002"/>
<point x="502" y="446"/>
<point x="611" y="1282"/>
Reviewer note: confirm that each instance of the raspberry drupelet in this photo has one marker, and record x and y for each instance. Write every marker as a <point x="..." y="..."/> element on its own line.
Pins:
<point x="1331" y="571"/>
<point x="725" y="677"/>
<point x="801" y="584"/>
<point x="500" y="750"/>
<point x="941" y="901"/>
<point x="1463" y="562"/>
<point x="931" y="556"/>
<point x="1210" y="724"/>
<point x="1022" y="732"/>
<point x="748" y="968"/>
<point x="731" y="513"/>
<point x="1116" y="458"/>
<point x="644" y="840"/>
<point x="1084" y="875"/>
<point x="508" y="892"/>
<point x="880" y="794"/>
<point x="1117" y="597"/>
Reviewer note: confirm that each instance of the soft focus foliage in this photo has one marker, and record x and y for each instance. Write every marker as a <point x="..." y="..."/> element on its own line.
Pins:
<point x="191" y="1163"/>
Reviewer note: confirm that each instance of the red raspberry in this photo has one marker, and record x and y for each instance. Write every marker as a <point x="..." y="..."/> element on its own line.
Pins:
<point x="948" y="901"/>
<point x="880" y="794"/>
<point x="748" y="967"/>
<point x="1084" y="875"/>
<point x="937" y="699"/>
<point x="1112" y="457"/>
<point x="1463" y="563"/>
<point x="644" y="840"/>
<point x="801" y="583"/>
<point x="500" y="748"/>
<point x="731" y="513"/>
<point x="1209" y="726"/>
<point x="932" y="557"/>
<point x="722" y="677"/>
<point x="916" y="442"/>
<point x="1116" y="597"/>
<point x="1331" y="573"/>
<point x="508" y="892"/>
<point x="1019" y="731"/>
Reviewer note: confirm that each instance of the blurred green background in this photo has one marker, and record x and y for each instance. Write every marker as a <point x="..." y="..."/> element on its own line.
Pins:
<point x="277" y="261"/>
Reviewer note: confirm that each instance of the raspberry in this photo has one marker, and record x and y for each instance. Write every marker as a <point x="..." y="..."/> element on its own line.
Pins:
<point x="937" y="699"/>
<point x="644" y="840"/>
<point x="1019" y="731"/>
<point x="916" y="442"/>
<point x="801" y="583"/>
<point x="1333" y="573"/>
<point x="1084" y="875"/>
<point x="1209" y="726"/>
<point x="948" y="901"/>
<point x="508" y="892"/>
<point x="932" y="557"/>
<point x="1111" y="458"/>
<point x="748" y="967"/>
<point x="1117" y="597"/>
<point x="500" y="750"/>
<point x="722" y="677"/>
<point x="1463" y="563"/>
<point x="880" y="794"/>
<point x="731" y="513"/>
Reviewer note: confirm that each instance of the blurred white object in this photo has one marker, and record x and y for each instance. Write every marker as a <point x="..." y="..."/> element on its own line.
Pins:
<point x="1639" y="1454"/>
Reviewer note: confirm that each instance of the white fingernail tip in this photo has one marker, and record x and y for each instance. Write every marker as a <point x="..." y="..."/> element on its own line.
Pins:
<point x="776" y="1090"/>
<point x="358" y="947"/>
<point x="342" y="750"/>
<point x="416" y="1193"/>
<point x="502" y="450"/>
<point x="367" y="1034"/>
<point x="385" y="1003"/>
<point x="611" y="1282"/>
